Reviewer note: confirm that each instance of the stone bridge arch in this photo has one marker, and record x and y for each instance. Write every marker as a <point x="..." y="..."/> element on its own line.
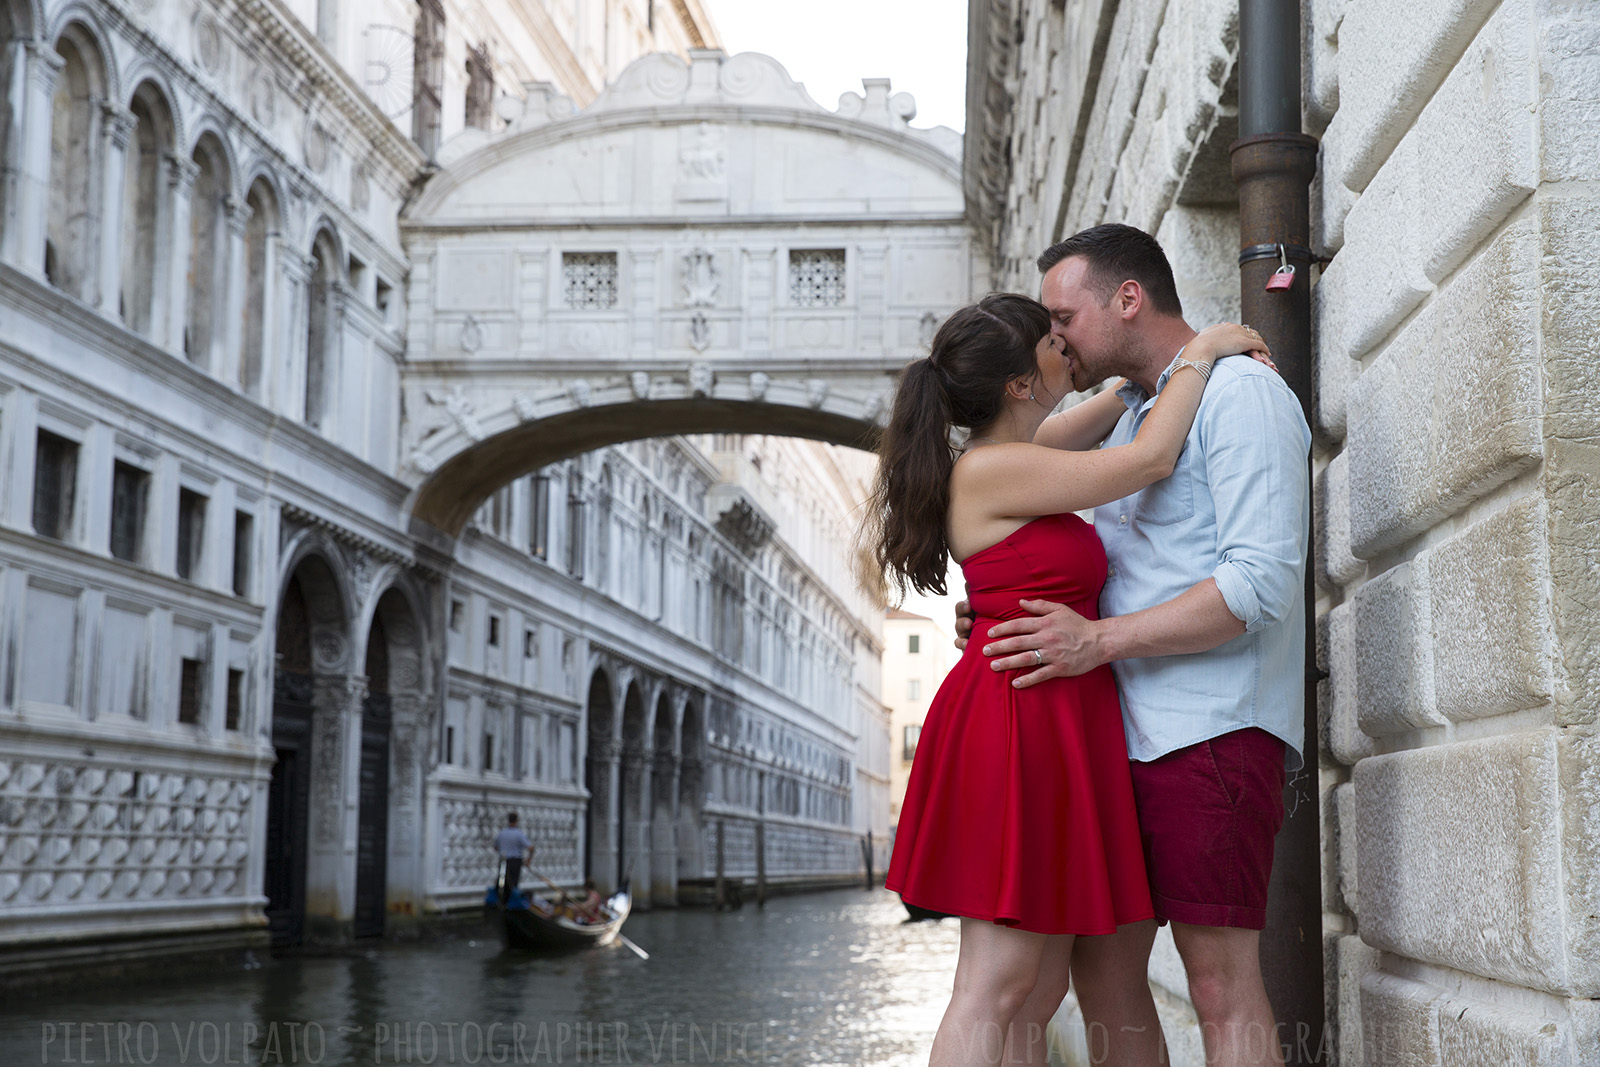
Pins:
<point x="702" y="249"/>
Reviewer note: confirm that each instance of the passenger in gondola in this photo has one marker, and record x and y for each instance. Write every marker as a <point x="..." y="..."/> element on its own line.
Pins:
<point x="512" y="845"/>
<point x="588" y="909"/>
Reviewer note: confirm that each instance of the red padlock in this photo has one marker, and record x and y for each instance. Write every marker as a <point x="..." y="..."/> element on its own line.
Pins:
<point x="1282" y="279"/>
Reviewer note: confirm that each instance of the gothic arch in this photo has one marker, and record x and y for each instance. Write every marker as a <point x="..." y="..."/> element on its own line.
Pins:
<point x="80" y="24"/>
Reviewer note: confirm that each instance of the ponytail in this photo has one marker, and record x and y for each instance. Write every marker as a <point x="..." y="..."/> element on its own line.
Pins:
<point x="911" y="493"/>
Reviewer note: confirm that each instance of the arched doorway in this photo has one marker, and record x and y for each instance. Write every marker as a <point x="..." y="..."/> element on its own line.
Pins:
<point x="600" y="853"/>
<point x="288" y="796"/>
<point x="691" y="793"/>
<point x="372" y="823"/>
<point x="663" y="795"/>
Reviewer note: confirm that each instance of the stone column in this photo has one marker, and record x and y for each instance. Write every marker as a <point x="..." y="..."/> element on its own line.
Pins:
<point x="181" y="175"/>
<point x="34" y="69"/>
<point x="690" y="846"/>
<point x="333" y="369"/>
<point x="116" y="126"/>
<point x="663" y="831"/>
<point x="335" y="800"/>
<point x="231" y="307"/>
<point x="408" y="749"/>
<point x="636" y="845"/>
<point x="606" y="754"/>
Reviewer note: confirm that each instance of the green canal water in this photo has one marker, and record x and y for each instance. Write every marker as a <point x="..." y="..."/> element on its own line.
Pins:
<point x="826" y="978"/>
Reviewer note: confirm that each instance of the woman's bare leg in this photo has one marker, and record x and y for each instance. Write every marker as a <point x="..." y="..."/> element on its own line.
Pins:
<point x="994" y="977"/>
<point x="1026" y="1041"/>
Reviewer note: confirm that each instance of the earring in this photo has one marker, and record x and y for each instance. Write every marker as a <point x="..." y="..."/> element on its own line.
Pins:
<point x="1030" y="394"/>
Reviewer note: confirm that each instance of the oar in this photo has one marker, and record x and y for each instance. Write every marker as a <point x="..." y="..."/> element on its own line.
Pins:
<point x="641" y="953"/>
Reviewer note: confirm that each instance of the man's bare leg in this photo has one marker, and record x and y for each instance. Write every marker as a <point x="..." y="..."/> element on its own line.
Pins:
<point x="1236" y="1021"/>
<point x="1112" y="976"/>
<point x="1026" y="1040"/>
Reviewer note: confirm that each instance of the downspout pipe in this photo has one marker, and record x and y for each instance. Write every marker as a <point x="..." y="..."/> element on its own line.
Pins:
<point x="1273" y="163"/>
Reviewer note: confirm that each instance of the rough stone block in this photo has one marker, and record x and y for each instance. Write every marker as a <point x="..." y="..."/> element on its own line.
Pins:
<point x="1451" y="408"/>
<point x="1320" y="37"/>
<point x="1333" y="372"/>
<point x="1346" y="961"/>
<point x="1342" y="738"/>
<point x="1336" y="565"/>
<point x="1399" y="1022"/>
<point x="1490" y="615"/>
<point x="1579" y="768"/>
<point x="1394" y="651"/>
<point x="1202" y="243"/>
<point x="1459" y="857"/>
<point x="1456" y="175"/>
<point x="1472" y="1033"/>
<point x="1343" y="848"/>
<point x="1569" y="82"/>
<point x="1388" y="68"/>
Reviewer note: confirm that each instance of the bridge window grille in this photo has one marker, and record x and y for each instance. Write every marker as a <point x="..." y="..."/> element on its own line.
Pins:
<point x="591" y="280"/>
<point x="816" y="277"/>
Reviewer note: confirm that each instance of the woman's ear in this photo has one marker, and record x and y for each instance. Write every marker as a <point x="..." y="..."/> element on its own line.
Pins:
<point x="1020" y="387"/>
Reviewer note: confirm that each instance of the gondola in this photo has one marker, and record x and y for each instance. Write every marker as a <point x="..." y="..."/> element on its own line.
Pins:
<point x="532" y="922"/>
<point x="920" y="914"/>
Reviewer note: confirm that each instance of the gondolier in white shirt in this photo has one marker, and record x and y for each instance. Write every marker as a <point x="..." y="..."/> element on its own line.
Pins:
<point x="512" y="845"/>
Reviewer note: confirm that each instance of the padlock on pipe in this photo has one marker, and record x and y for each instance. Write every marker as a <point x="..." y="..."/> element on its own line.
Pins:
<point x="1282" y="279"/>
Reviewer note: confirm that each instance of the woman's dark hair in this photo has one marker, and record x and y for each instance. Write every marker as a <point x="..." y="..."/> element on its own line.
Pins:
<point x="962" y="382"/>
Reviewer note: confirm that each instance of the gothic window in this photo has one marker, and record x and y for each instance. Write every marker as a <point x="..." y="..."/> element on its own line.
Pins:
<point x="428" y="76"/>
<point x="207" y="258"/>
<point x="243" y="539"/>
<point x="257" y="233"/>
<point x="69" y="253"/>
<point x="539" y="517"/>
<point x="191" y="532"/>
<point x="320" y="339"/>
<point x="235" y="712"/>
<point x="130" y="488"/>
<point x="590" y="280"/>
<point x="145" y="206"/>
<point x="55" y="485"/>
<point x="816" y="277"/>
<point x="480" y="88"/>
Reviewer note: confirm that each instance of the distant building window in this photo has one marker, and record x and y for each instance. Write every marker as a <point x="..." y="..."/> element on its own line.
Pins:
<point x="243" y="537"/>
<point x="913" y="688"/>
<point x="458" y="618"/>
<point x="488" y="752"/>
<point x="590" y="279"/>
<point x="480" y="88"/>
<point x="539" y="519"/>
<point x="494" y="631"/>
<point x="909" y="746"/>
<point x="449" y="745"/>
<point x="235" y="698"/>
<point x="191" y="532"/>
<point x="816" y="277"/>
<point x="55" y="485"/>
<point x="530" y="644"/>
<point x="130" y="488"/>
<point x="189" y="690"/>
<point x="914" y="644"/>
<point x="428" y="76"/>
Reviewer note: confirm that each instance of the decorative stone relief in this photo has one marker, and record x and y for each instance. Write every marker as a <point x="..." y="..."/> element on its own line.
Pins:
<point x="316" y="147"/>
<point x="328" y="650"/>
<point x="459" y="408"/>
<point x="640" y="381"/>
<point x="471" y="335"/>
<point x="816" y="391"/>
<point x="701" y="379"/>
<point x="759" y="382"/>
<point x="927" y="328"/>
<point x="701" y="279"/>
<point x="580" y="392"/>
<point x="699" y="332"/>
<point x="360" y="188"/>
<point x="209" y="47"/>
<point x="263" y="97"/>
<point x="106" y="832"/>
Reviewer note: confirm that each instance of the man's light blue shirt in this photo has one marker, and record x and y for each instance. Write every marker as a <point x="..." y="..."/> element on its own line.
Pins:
<point x="1237" y="509"/>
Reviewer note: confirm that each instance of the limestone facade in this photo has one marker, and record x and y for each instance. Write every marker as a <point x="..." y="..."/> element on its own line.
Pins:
<point x="245" y="686"/>
<point x="1453" y="461"/>
<point x="917" y="655"/>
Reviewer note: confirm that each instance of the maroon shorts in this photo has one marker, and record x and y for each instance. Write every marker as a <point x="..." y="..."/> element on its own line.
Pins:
<point x="1208" y="815"/>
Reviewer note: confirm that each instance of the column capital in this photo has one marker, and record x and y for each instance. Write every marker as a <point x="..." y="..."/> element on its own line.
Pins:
<point x="44" y="65"/>
<point x="239" y="213"/>
<point x="605" y="748"/>
<point x="119" y="123"/>
<point x="296" y="268"/>
<point x="341" y="692"/>
<point x="181" y="174"/>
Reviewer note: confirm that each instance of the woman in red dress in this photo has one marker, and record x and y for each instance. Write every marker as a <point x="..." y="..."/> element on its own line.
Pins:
<point x="1019" y="812"/>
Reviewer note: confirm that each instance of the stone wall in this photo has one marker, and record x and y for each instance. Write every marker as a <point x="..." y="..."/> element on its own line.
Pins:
<point x="1455" y="426"/>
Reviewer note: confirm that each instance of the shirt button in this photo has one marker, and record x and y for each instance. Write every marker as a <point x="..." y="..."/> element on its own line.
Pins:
<point x="1111" y="572"/>
<point x="1122" y="519"/>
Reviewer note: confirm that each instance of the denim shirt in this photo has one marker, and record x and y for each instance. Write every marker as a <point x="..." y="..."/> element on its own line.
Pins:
<point x="1237" y="509"/>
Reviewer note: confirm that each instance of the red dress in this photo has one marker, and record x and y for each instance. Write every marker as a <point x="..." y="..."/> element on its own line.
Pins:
<point x="1019" y="809"/>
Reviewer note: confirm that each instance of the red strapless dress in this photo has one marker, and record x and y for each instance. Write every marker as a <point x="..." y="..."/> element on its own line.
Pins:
<point x="1019" y="809"/>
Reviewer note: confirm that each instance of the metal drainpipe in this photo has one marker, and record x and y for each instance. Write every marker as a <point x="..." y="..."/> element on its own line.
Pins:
<point x="1273" y="164"/>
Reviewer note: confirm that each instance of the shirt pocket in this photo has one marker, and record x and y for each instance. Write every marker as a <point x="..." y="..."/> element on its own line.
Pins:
<point x="1171" y="499"/>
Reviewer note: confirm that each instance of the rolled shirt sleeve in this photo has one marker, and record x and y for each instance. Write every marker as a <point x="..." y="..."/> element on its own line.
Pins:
<point x="1256" y="443"/>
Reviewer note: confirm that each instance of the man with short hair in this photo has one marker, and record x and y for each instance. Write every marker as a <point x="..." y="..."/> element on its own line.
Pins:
<point x="1202" y="619"/>
<point x="511" y="844"/>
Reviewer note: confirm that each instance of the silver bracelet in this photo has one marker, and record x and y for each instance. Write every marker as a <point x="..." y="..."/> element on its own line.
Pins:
<point x="1178" y="363"/>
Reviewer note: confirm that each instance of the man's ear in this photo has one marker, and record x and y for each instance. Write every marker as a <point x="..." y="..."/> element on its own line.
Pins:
<point x="1129" y="299"/>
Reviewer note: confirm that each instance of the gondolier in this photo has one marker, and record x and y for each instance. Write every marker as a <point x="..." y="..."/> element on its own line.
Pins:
<point x="513" y="846"/>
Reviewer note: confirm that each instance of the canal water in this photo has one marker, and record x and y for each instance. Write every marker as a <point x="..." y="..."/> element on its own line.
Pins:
<point x="827" y="978"/>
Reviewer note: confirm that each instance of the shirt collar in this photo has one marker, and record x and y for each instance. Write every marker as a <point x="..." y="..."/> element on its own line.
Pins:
<point x="1133" y="394"/>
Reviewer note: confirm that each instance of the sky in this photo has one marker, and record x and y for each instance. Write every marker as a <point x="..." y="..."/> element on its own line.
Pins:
<point x="830" y="45"/>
